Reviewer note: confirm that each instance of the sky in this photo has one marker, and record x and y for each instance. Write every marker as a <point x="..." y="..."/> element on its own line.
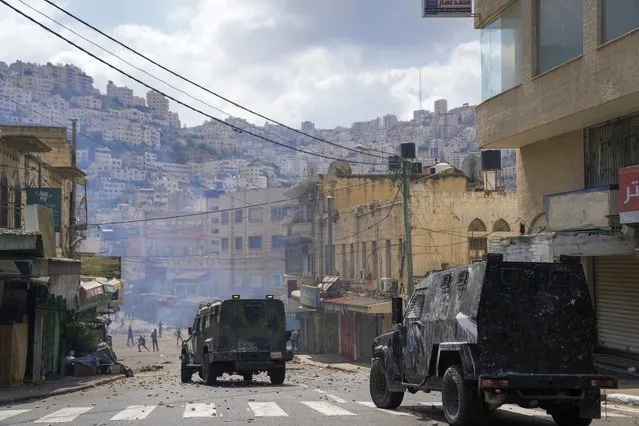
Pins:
<point x="332" y="62"/>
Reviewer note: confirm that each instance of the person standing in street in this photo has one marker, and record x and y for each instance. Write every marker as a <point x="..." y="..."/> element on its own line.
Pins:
<point x="178" y="335"/>
<point x="295" y="335"/>
<point x="154" y="340"/>
<point x="129" y="340"/>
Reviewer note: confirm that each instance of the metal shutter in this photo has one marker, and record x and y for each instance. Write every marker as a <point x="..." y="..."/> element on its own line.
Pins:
<point x="617" y="302"/>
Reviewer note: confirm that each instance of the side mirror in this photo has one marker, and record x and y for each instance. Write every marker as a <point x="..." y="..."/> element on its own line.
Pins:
<point x="288" y="334"/>
<point x="397" y="304"/>
<point x="190" y="331"/>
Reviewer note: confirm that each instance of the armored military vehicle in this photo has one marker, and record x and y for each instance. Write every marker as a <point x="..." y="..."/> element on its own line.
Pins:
<point x="237" y="336"/>
<point x="495" y="333"/>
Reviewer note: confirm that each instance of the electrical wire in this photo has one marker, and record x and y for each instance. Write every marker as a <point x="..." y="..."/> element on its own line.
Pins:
<point x="199" y="86"/>
<point x="184" y="104"/>
<point x="391" y="205"/>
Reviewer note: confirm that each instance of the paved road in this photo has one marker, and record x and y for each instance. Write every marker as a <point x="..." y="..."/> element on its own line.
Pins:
<point x="311" y="396"/>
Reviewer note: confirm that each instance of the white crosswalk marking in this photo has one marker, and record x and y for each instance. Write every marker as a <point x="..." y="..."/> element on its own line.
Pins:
<point x="64" y="416"/>
<point x="5" y="414"/>
<point x="327" y="409"/>
<point x="394" y="412"/>
<point x="134" y="412"/>
<point x="331" y="396"/>
<point x="267" y="409"/>
<point x="199" y="410"/>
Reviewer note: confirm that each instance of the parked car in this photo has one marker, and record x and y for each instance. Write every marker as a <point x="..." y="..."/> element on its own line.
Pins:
<point x="237" y="336"/>
<point x="495" y="333"/>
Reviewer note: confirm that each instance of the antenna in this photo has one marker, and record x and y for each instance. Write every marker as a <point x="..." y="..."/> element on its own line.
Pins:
<point x="420" y="88"/>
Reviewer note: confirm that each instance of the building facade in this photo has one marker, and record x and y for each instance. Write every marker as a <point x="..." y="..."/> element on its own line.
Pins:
<point x="559" y="84"/>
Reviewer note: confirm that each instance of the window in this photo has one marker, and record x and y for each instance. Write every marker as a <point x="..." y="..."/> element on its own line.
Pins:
<point x="239" y="216"/>
<point x="255" y="243"/>
<point x="214" y="242"/>
<point x="255" y="215"/>
<point x="278" y="214"/>
<point x="414" y="310"/>
<point x="618" y="17"/>
<point x="225" y="244"/>
<point x="4" y="201"/>
<point x="17" y="206"/>
<point x="225" y="217"/>
<point x="389" y="259"/>
<point x="239" y="243"/>
<point x="351" y="266"/>
<point x="559" y="32"/>
<point x="278" y="242"/>
<point x="215" y="231"/>
<point x="374" y="256"/>
<point x="501" y="52"/>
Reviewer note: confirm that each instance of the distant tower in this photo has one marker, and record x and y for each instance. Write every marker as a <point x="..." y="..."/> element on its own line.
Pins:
<point x="441" y="106"/>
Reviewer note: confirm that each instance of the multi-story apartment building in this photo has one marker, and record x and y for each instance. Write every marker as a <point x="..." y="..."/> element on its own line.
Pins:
<point x="441" y="106"/>
<point x="122" y="94"/>
<point x="308" y="126"/>
<point x="250" y="240"/>
<point x="157" y="103"/>
<point x="88" y="102"/>
<point x="559" y="82"/>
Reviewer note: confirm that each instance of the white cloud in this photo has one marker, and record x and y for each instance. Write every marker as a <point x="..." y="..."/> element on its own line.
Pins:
<point x="273" y="60"/>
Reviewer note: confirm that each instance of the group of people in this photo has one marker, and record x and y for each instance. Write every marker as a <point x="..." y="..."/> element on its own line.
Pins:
<point x="142" y="340"/>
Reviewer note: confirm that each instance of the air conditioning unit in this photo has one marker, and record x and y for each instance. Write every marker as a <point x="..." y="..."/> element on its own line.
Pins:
<point x="386" y="285"/>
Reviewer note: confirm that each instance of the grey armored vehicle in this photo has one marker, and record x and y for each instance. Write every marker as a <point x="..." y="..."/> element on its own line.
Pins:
<point x="237" y="336"/>
<point x="495" y="333"/>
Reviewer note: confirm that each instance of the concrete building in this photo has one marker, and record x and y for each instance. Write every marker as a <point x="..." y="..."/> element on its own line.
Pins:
<point x="559" y="82"/>
<point x="451" y="227"/>
<point x="250" y="241"/>
<point x="122" y="94"/>
<point x="441" y="106"/>
<point x="308" y="126"/>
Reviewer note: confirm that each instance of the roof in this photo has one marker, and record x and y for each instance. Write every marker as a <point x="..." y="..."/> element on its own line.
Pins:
<point x="357" y="303"/>
<point x="188" y="276"/>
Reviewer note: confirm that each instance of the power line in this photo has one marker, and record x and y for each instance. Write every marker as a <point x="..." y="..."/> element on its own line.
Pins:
<point x="392" y="204"/>
<point x="157" y="78"/>
<point x="184" y="104"/>
<point x="199" y="85"/>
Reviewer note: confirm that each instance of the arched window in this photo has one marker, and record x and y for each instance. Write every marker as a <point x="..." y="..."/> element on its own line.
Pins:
<point x="4" y="201"/>
<point x="17" y="205"/>
<point x="538" y="224"/>
<point x="501" y="226"/>
<point x="477" y="226"/>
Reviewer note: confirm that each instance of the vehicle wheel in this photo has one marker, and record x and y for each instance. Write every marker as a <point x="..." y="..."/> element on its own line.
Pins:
<point x="460" y="400"/>
<point x="248" y="377"/>
<point x="378" y="386"/>
<point x="209" y="372"/>
<point x="186" y="373"/>
<point x="569" y="418"/>
<point x="277" y="375"/>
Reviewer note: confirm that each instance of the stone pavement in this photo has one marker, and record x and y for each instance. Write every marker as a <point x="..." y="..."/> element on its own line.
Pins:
<point x="627" y="394"/>
<point x="52" y="387"/>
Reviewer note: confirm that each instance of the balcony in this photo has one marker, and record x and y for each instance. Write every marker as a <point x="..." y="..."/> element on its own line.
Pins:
<point x="587" y="209"/>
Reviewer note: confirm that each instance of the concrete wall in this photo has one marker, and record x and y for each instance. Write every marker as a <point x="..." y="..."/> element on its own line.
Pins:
<point x="598" y="86"/>
<point x="551" y="166"/>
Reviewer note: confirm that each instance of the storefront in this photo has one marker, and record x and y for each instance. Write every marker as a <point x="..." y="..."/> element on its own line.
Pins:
<point x="617" y="302"/>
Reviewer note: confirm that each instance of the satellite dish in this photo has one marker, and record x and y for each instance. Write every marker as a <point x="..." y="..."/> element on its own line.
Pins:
<point x="471" y="166"/>
<point x="340" y="168"/>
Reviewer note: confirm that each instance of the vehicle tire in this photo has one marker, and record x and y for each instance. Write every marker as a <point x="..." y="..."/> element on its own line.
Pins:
<point x="569" y="418"/>
<point x="460" y="400"/>
<point x="277" y="375"/>
<point x="378" y="385"/>
<point x="209" y="371"/>
<point x="186" y="374"/>
<point x="248" y="377"/>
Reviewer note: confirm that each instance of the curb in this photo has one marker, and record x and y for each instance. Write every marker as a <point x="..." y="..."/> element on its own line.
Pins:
<point x="62" y="391"/>
<point x="297" y="360"/>
<point x="621" y="398"/>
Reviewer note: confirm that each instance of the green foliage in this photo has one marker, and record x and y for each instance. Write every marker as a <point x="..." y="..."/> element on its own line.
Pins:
<point x="80" y="337"/>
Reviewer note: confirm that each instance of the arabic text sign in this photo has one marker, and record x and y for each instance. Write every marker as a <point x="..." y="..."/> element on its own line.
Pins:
<point x="50" y="198"/>
<point x="629" y="194"/>
<point x="447" y="8"/>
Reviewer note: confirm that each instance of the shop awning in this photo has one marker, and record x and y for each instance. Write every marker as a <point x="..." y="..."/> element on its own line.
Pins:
<point x="327" y="282"/>
<point x="356" y="303"/>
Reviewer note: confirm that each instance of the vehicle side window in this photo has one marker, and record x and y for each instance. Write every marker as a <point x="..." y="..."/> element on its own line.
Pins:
<point x="196" y="326"/>
<point x="205" y="321"/>
<point x="414" y="309"/>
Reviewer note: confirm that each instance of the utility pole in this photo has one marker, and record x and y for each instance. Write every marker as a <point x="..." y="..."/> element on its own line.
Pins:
<point x="72" y="208"/>
<point x="329" y="241"/>
<point x="407" y="171"/>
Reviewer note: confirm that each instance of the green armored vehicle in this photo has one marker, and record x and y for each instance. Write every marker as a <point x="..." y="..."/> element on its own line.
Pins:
<point x="237" y="336"/>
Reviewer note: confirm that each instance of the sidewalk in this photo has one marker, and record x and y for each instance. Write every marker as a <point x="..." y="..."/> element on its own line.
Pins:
<point x="166" y="359"/>
<point x="627" y="394"/>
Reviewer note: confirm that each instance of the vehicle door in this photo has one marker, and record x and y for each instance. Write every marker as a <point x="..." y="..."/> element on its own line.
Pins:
<point x="195" y="344"/>
<point x="414" y="363"/>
